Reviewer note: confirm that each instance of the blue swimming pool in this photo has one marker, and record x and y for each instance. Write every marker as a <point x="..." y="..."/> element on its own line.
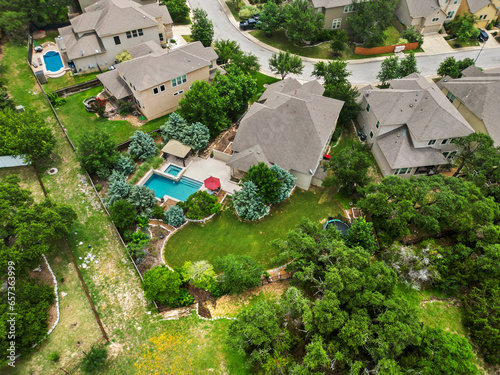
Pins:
<point x="53" y="61"/>
<point x="179" y="190"/>
<point x="173" y="170"/>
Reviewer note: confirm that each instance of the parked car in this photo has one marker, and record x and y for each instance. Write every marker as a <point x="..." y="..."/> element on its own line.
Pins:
<point x="483" y="36"/>
<point x="244" y="25"/>
<point x="256" y="16"/>
<point x="248" y="24"/>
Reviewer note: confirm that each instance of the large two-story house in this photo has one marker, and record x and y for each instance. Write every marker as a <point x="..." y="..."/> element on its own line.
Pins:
<point x="291" y="125"/>
<point x="156" y="79"/>
<point x="336" y="12"/>
<point x="426" y="16"/>
<point x="486" y="11"/>
<point x="411" y="127"/>
<point x="108" y="28"/>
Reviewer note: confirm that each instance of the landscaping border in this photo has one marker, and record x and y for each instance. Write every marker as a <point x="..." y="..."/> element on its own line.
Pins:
<point x="56" y="291"/>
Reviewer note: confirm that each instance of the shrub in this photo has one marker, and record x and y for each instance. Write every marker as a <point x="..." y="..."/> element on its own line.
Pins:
<point x="55" y="99"/>
<point x="287" y="182"/>
<point x="118" y="188"/>
<point x="200" y="274"/>
<point x="94" y="360"/>
<point x="143" y="199"/>
<point x="158" y="212"/>
<point x="163" y="285"/>
<point x="248" y="202"/>
<point x="123" y="215"/>
<point x="124" y="56"/>
<point x="96" y="150"/>
<point x="103" y="173"/>
<point x="240" y="272"/>
<point x="98" y="187"/>
<point x="139" y="237"/>
<point x="266" y="181"/>
<point x="125" y="107"/>
<point x="54" y="357"/>
<point x="200" y="205"/>
<point x="195" y="135"/>
<point x="125" y="165"/>
<point x="247" y="12"/>
<point x="175" y="216"/>
<point x="142" y="145"/>
<point x="412" y="36"/>
<point x="99" y="106"/>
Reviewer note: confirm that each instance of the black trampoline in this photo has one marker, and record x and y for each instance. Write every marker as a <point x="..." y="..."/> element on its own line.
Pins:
<point x="337" y="224"/>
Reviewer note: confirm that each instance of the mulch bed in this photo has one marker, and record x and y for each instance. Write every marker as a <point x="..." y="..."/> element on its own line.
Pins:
<point x="225" y="140"/>
<point x="153" y="258"/>
<point x="203" y="298"/>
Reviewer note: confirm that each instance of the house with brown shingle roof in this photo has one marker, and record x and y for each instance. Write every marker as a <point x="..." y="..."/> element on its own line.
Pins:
<point x="485" y="10"/>
<point x="291" y="125"/>
<point x="108" y="28"/>
<point x="411" y="126"/>
<point x="426" y="16"/>
<point x="156" y="79"/>
<point x="475" y="96"/>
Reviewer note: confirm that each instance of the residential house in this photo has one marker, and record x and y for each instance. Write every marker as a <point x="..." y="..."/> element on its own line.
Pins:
<point x="485" y="10"/>
<point x="291" y="125"/>
<point x="336" y="12"/>
<point x="475" y="96"/>
<point x="426" y="16"/>
<point x="86" y="3"/>
<point x="411" y="127"/>
<point x="156" y="79"/>
<point x="108" y="28"/>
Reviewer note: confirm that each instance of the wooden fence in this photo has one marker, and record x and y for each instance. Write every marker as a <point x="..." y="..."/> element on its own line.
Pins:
<point x="75" y="89"/>
<point x="384" y="49"/>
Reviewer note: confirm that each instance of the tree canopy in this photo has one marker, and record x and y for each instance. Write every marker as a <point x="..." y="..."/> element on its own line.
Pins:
<point x="97" y="151"/>
<point x="202" y="28"/>
<point x="301" y="22"/>
<point x="239" y="272"/>
<point x="285" y="63"/>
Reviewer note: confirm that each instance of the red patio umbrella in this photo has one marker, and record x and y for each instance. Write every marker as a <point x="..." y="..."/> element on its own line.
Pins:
<point x="212" y="183"/>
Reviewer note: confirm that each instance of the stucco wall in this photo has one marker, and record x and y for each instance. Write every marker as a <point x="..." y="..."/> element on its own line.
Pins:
<point x="154" y="106"/>
<point x="303" y="180"/>
<point x="219" y="155"/>
<point x="335" y="13"/>
<point x="490" y="11"/>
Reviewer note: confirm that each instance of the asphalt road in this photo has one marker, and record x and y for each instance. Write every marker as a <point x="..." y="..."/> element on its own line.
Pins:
<point x="363" y="72"/>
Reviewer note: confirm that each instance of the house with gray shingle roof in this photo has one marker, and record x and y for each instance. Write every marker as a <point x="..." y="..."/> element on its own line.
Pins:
<point x="156" y="79"/>
<point x="475" y="96"/>
<point x="411" y="126"/>
<point x="336" y="12"/>
<point x="109" y="27"/>
<point x="291" y="125"/>
<point x="426" y="16"/>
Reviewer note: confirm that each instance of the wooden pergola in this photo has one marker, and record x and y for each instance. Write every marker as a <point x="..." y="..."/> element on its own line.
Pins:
<point x="177" y="149"/>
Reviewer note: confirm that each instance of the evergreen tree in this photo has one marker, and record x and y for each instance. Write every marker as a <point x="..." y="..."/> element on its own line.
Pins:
<point x="287" y="182"/>
<point x="142" y="145"/>
<point x="174" y="216"/>
<point x="118" y="188"/>
<point x="202" y="28"/>
<point x="125" y="165"/>
<point x="143" y="199"/>
<point x="248" y="203"/>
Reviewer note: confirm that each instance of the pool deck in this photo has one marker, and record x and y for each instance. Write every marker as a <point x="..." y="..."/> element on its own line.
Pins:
<point x="200" y="169"/>
<point x="38" y="57"/>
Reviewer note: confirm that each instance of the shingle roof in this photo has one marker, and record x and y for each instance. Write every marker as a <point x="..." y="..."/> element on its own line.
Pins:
<point x="245" y="159"/>
<point x="87" y="45"/>
<point x="292" y="127"/>
<point x="110" y="17"/>
<point x="144" y="49"/>
<point x="330" y="3"/>
<point x="421" y="106"/>
<point x="115" y="85"/>
<point x="477" y="5"/>
<point x="480" y="95"/>
<point x="422" y="8"/>
<point x="155" y="68"/>
<point x="399" y="151"/>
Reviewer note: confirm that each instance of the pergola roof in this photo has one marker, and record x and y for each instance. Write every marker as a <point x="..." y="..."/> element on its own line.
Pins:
<point x="176" y="148"/>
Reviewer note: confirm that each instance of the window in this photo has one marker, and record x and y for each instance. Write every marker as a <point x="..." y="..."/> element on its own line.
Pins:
<point x="368" y="108"/>
<point x="162" y="88"/>
<point x="155" y="90"/>
<point x="435" y="19"/>
<point x="161" y="37"/>
<point x="444" y="141"/>
<point x="117" y="40"/>
<point x="179" y="81"/>
<point x="450" y="14"/>
<point x="135" y="33"/>
<point x="336" y="23"/>
<point x="450" y="97"/>
<point x="396" y="171"/>
<point x="178" y="92"/>
<point x="378" y="124"/>
<point x="454" y="140"/>
<point x="431" y="142"/>
<point x="403" y="171"/>
<point x="445" y="154"/>
<point x="211" y="65"/>
<point x="371" y="135"/>
<point x="349" y="8"/>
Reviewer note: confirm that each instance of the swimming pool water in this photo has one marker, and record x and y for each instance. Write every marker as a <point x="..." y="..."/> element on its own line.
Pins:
<point x="173" y="170"/>
<point x="53" y="61"/>
<point x="179" y="190"/>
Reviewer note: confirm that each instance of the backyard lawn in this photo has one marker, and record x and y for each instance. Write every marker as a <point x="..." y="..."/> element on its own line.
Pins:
<point x="78" y="121"/>
<point x="225" y="234"/>
<point x="262" y="80"/>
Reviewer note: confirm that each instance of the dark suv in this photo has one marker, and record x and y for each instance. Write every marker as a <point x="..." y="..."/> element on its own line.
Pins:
<point x="483" y="36"/>
<point x="248" y="24"/>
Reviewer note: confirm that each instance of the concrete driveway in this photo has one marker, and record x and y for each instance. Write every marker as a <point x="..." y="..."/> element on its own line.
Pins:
<point x="435" y="43"/>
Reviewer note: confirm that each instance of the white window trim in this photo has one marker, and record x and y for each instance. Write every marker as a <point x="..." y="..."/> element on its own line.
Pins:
<point x="157" y="90"/>
<point x="349" y="8"/>
<point x="336" y="22"/>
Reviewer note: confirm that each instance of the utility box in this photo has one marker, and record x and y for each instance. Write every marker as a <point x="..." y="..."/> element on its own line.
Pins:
<point x="20" y="108"/>
<point x="399" y="49"/>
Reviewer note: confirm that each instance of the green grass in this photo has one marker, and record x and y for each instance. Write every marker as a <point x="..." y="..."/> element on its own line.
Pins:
<point x="262" y="80"/>
<point x="67" y="80"/>
<point x="391" y="36"/>
<point x="78" y="121"/>
<point x="188" y="38"/>
<point x="234" y="12"/>
<point x="457" y="44"/>
<point x="225" y="234"/>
